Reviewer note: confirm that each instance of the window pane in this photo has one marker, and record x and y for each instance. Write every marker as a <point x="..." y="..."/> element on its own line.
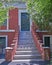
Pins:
<point x="47" y="41"/>
<point x="2" y="42"/>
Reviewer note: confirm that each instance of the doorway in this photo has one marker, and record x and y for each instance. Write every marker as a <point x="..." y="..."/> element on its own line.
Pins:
<point x="25" y="22"/>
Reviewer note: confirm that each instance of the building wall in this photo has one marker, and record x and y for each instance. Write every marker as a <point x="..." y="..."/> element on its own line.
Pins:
<point x="3" y="27"/>
<point x="13" y="19"/>
<point x="10" y="37"/>
<point x="44" y="33"/>
<point x="13" y="25"/>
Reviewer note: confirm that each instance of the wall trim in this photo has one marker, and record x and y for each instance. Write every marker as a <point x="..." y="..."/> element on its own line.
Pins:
<point x="7" y="20"/>
<point x="7" y="30"/>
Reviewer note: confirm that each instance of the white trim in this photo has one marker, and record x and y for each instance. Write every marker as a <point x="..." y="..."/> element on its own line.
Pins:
<point x="6" y="39"/>
<point x="8" y="48"/>
<point x="41" y="30"/>
<point x="7" y="30"/>
<point x="7" y="20"/>
<point x="19" y="15"/>
<point x="46" y="47"/>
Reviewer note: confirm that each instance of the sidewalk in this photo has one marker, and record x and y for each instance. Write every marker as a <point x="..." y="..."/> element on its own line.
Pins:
<point x="3" y="62"/>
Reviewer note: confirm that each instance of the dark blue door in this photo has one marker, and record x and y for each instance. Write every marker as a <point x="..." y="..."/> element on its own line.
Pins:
<point x="25" y="22"/>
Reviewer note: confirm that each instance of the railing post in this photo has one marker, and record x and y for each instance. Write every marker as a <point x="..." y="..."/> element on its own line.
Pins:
<point x="46" y="53"/>
<point x="13" y="46"/>
<point x="8" y="55"/>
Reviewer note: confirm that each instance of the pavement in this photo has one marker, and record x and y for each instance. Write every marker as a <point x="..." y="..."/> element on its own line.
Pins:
<point x="3" y="62"/>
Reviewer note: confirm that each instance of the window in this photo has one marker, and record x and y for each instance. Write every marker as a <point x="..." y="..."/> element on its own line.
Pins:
<point x="47" y="41"/>
<point x="2" y="45"/>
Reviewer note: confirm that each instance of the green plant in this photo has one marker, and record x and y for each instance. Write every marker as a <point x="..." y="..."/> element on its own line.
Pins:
<point x="3" y="10"/>
<point x="41" y="12"/>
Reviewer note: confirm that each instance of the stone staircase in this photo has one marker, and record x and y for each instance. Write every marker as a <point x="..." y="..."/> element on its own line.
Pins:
<point x="26" y="51"/>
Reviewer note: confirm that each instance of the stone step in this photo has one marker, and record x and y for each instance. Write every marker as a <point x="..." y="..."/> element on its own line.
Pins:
<point x="27" y="60"/>
<point x="30" y="51"/>
<point x="28" y="39"/>
<point x="27" y="52"/>
<point x="25" y="41"/>
<point x="37" y="56"/>
<point x="22" y="43"/>
<point x="23" y="46"/>
<point x="28" y="45"/>
<point x="25" y="38"/>
<point x="25" y="33"/>
<point x="26" y="49"/>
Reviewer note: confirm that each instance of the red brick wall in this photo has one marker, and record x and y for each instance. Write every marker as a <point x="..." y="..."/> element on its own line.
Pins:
<point x="13" y="25"/>
<point x="13" y="19"/>
<point x="3" y="27"/>
<point x="44" y="33"/>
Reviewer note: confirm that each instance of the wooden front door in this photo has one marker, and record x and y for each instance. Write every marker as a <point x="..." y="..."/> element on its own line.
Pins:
<point x="25" y="22"/>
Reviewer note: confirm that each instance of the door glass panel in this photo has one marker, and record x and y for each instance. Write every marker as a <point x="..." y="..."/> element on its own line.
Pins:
<point x="25" y="22"/>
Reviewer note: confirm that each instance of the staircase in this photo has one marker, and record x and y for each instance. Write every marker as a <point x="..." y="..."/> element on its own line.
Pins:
<point x="26" y="51"/>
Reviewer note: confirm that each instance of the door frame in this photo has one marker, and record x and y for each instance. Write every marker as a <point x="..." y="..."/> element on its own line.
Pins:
<point x="6" y="39"/>
<point x="19" y="15"/>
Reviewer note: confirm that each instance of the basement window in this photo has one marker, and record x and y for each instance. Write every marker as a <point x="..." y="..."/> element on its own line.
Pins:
<point x="47" y="41"/>
<point x="2" y="44"/>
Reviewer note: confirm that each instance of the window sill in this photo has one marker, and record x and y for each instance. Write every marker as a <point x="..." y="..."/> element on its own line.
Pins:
<point x="46" y="47"/>
<point x="8" y="48"/>
<point x="7" y="30"/>
<point x="41" y="31"/>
